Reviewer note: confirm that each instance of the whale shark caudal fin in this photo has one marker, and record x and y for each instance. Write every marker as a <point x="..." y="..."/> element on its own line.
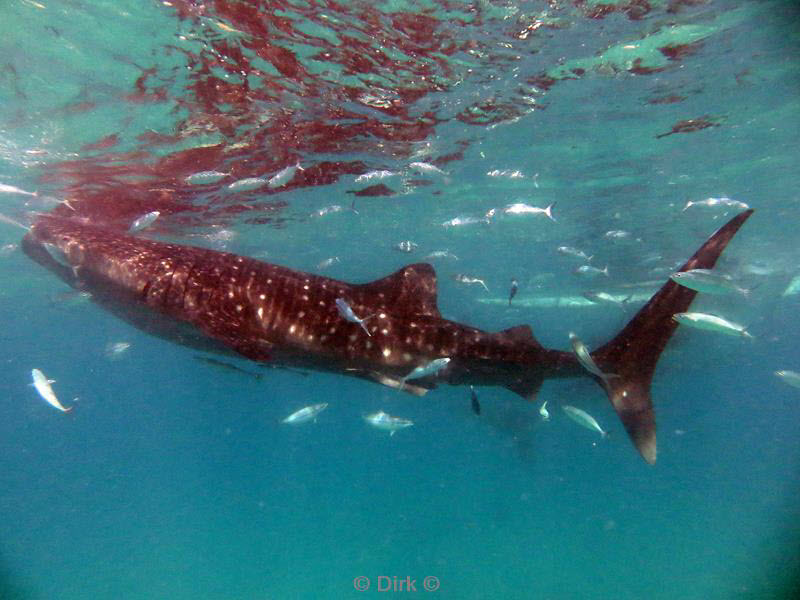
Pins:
<point x="634" y="352"/>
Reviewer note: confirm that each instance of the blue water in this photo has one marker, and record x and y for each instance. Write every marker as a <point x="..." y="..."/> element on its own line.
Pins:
<point x="173" y="478"/>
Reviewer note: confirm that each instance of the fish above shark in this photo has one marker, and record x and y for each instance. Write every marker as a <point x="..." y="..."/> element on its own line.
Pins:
<point x="271" y="314"/>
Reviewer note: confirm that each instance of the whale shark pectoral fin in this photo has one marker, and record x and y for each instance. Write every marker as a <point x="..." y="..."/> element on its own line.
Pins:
<point x="632" y="355"/>
<point x="528" y="388"/>
<point x="410" y="291"/>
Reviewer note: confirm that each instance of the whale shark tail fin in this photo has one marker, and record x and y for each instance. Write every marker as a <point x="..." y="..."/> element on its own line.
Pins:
<point x="634" y="352"/>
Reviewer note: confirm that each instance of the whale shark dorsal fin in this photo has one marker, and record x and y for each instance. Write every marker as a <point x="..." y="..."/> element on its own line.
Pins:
<point x="409" y="291"/>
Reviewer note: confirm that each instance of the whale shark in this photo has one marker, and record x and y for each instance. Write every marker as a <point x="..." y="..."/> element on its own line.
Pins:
<point x="227" y="303"/>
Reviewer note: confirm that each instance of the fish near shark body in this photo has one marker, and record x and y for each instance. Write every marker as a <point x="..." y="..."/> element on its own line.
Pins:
<point x="268" y="313"/>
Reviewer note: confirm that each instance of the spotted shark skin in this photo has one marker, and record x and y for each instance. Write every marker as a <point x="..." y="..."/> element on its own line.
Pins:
<point x="268" y="313"/>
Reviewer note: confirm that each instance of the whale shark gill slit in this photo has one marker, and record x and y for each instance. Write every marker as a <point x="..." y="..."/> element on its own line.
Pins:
<point x="224" y="303"/>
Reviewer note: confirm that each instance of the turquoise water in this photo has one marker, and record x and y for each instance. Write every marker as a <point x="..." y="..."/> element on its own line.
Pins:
<point x="174" y="478"/>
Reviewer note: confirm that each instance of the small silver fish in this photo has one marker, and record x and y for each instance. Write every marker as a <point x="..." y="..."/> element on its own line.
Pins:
<point x="406" y="246"/>
<point x="10" y="189"/>
<point x="327" y="263"/>
<point x="543" y="412"/>
<point x="474" y="402"/>
<point x="617" y="234"/>
<point x="590" y="271"/>
<point x="710" y="322"/>
<point x="305" y="414"/>
<point x="603" y="297"/>
<point x="13" y="222"/>
<point x="424" y="167"/>
<point x="382" y="420"/>
<point x="466" y="279"/>
<point x="581" y="417"/>
<point x="283" y="176"/>
<point x="513" y="290"/>
<point x="374" y="175"/>
<point x="520" y="208"/>
<point x="205" y="177"/>
<point x="708" y="282"/>
<point x="511" y="174"/>
<point x="586" y="360"/>
<point x="723" y="201"/>
<point x="327" y="210"/>
<point x="115" y="350"/>
<point x="347" y="314"/>
<point x="431" y="368"/>
<point x="43" y="386"/>
<point x="570" y="251"/>
<point x="461" y="221"/>
<point x="790" y="377"/>
<point x="247" y="184"/>
<point x="441" y="254"/>
<point x="144" y="221"/>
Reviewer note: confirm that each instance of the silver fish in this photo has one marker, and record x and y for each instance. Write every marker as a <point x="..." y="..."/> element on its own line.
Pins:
<point x="431" y="368"/>
<point x="583" y="418"/>
<point x="474" y="402"/>
<point x="327" y="210"/>
<point x="305" y="414"/>
<point x="13" y="222"/>
<point x="723" y="201"/>
<point x="461" y="221"/>
<point x="510" y="174"/>
<point x="790" y="377"/>
<point x="115" y="350"/>
<point x="586" y="360"/>
<point x="144" y="221"/>
<point x="710" y="322"/>
<point x="617" y="234"/>
<point x="327" y="263"/>
<point x="10" y="189"/>
<point x="708" y="282"/>
<point x="441" y="254"/>
<point x="382" y="420"/>
<point x="513" y="291"/>
<point x="43" y="386"/>
<point x="247" y="184"/>
<point x="590" y="271"/>
<point x="424" y="167"/>
<point x="460" y="278"/>
<point x="520" y="208"/>
<point x="205" y="177"/>
<point x="347" y="313"/>
<point x="406" y="246"/>
<point x="543" y="412"/>
<point x="283" y="176"/>
<point x="374" y="175"/>
<point x="603" y="297"/>
<point x="570" y="251"/>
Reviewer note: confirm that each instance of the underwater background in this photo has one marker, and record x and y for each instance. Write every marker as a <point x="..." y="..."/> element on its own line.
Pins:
<point x="173" y="476"/>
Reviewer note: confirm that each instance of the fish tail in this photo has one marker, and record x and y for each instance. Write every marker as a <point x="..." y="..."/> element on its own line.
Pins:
<point x="634" y="352"/>
<point x="549" y="212"/>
